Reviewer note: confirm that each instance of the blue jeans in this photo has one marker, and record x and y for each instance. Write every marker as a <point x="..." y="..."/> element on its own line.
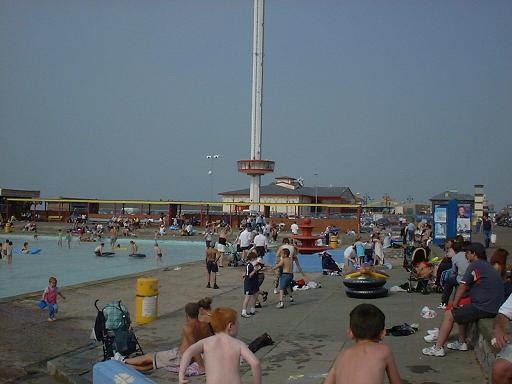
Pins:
<point x="52" y="310"/>
<point x="487" y="237"/>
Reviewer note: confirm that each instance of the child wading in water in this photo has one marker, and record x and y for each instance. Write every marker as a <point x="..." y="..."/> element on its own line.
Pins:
<point x="50" y="296"/>
<point x="222" y="352"/>
<point x="367" y="360"/>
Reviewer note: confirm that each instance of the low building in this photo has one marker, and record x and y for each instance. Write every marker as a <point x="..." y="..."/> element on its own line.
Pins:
<point x="288" y="196"/>
<point x="19" y="209"/>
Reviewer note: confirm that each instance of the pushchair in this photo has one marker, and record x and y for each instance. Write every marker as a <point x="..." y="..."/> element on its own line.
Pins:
<point x="113" y="328"/>
<point x="231" y="250"/>
<point x="420" y="271"/>
<point x="408" y="251"/>
<point x="329" y="266"/>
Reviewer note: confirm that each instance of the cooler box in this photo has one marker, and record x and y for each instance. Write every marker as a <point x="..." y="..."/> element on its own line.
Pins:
<point x="115" y="372"/>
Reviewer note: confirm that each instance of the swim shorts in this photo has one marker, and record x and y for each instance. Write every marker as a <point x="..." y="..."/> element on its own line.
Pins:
<point x="469" y="313"/>
<point x="211" y="266"/>
<point x="250" y="286"/>
<point x="285" y="280"/>
<point x="163" y="359"/>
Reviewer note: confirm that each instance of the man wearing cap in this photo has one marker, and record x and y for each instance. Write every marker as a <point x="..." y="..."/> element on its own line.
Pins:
<point x="485" y="289"/>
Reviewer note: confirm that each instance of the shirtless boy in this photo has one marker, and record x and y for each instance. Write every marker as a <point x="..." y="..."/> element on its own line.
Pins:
<point x="222" y="352"/>
<point x="286" y="278"/>
<point x="98" y="251"/>
<point x="133" y="248"/>
<point x="193" y="330"/>
<point x="212" y="258"/>
<point x="368" y="360"/>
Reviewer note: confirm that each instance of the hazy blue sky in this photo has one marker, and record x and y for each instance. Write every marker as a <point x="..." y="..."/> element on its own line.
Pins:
<point x="124" y="99"/>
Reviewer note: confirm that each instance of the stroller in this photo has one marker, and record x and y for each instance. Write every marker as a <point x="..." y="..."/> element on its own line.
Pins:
<point x="231" y="250"/>
<point x="329" y="265"/>
<point x="420" y="270"/>
<point x="113" y="328"/>
<point x="408" y="251"/>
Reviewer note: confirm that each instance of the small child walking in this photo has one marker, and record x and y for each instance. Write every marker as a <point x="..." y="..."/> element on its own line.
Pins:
<point x="50" y="296"/>
<point x="368" y="360"/>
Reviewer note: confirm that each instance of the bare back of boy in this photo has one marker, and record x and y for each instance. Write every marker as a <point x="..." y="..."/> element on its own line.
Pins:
<point x="222" y="358"/>
<point x="287" y="264"/>
<point x="366" y="362"/>
<point x="211" y="254"/>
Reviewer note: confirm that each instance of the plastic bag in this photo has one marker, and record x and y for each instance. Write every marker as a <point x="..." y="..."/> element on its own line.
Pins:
<point x="428" y="313"/>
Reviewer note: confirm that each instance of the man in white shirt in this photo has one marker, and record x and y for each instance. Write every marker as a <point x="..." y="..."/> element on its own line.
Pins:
<point x="245" y="239"/>
<point x="294" y="228"/>
<point x="260" y="244"/>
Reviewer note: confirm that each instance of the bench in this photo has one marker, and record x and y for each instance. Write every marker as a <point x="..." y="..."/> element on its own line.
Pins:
<point x="55" y="218"/>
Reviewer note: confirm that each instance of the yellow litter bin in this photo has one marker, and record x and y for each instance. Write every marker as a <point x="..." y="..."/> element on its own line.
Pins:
<point x="333" y="241"/>
<point x="8" y="227"/>
<point x="146" y="300"/>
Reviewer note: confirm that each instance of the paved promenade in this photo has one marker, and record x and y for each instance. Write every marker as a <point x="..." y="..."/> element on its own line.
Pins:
<point x="308" y="335"/>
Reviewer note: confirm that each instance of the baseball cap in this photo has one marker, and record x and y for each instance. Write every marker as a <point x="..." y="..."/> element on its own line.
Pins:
<point x="477" y="248"/>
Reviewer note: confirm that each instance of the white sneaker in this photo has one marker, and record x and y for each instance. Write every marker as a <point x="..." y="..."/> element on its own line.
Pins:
<point x="276" y="291"/>
<point x="118" y="357"/>
<point x="457" y="345"/>
<point x="291" y="300"/>
<point x="433" y="331"/>
<point x="431" y="338"/>
<point x="246" y="315"/>
<point x="280" y="305"/>
<point x="441" y="306"/>
<point x="433" y="351"/>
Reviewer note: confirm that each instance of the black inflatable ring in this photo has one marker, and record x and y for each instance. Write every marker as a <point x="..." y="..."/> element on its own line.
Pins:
<point x="364" y="283"/>
<point x="368" y="294"/>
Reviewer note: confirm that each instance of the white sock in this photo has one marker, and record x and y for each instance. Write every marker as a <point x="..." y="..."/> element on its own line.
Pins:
<point x="253" y="310"/>
<point x="244" y="312"/>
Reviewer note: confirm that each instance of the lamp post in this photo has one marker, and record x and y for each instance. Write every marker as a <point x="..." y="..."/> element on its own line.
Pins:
<point x="210" y="172"/>
<point x="316" y="193"/>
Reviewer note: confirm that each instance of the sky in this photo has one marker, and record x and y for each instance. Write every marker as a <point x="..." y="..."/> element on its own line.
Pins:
<point x="125" y="99"/>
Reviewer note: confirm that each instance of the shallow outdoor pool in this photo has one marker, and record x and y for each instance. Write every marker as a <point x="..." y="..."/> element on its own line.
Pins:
<point x="30" y="273"/>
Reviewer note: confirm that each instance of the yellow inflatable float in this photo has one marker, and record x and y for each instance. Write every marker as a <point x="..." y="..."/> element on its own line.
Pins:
<point x="366" y="284"/>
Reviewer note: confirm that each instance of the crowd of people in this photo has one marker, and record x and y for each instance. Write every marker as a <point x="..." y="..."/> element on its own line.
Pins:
<point x="474" y="285"/>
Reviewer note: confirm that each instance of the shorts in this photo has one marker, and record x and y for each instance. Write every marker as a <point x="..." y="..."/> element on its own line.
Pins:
<point x="245" y="248"/>
<point x="211" y="266"/>
<point x="250" y="287"/>
<point x="168" y="358"/>
<point x="469" y="313"/>
<point x="261" y="278"/>
<point x="285" y="280"/>
<point x="221" y="247"/>
<point x="260" y="251"/>
<point x="505" y="353"/>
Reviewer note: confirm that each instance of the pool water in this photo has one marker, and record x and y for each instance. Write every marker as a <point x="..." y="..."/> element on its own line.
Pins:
<point x="30" y="273"/>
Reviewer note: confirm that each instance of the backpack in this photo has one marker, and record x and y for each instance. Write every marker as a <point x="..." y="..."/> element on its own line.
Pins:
<point x="260" y="342"/>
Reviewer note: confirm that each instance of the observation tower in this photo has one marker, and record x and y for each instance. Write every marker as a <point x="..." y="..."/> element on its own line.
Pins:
<point x="255" y="167"/>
